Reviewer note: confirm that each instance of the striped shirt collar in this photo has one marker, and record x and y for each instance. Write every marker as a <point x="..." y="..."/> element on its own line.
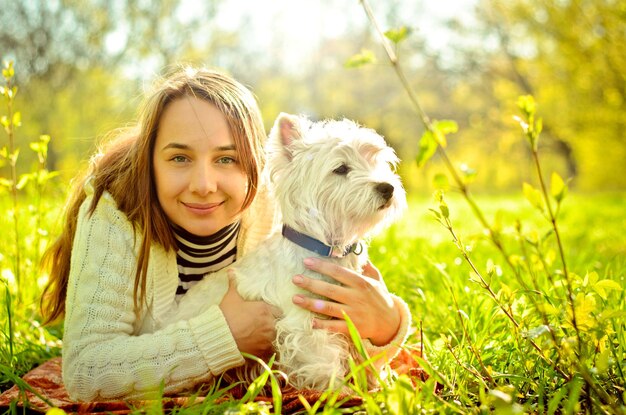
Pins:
<point x="198" y="256"/>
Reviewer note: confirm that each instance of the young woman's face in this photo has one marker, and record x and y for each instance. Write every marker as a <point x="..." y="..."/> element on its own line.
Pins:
<point x="199" y="181"/>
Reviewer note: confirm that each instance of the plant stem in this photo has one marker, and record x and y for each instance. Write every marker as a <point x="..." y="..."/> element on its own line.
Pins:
<point x="542" y="313"/>
<point x="7" y="295"/>
<point x="396" y="66"/>
<point x="469" y="341"/>
<point x="13" y="162"/>
<point x="568" y="282"/>
<point x="493" y="295"/>
<point x="469" y="369"/>
<point x="395" y="63"/>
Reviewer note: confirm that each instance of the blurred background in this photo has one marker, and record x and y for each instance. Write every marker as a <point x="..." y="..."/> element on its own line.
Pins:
<point x="82" y="66"/>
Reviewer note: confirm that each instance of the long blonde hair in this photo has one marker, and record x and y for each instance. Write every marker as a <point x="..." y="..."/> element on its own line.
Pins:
<point x="124" y="169"/>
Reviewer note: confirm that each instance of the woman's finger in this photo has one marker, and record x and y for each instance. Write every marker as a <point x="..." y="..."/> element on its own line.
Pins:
<point x="369" y="270"/>
<point x="316" y="305"/>
<point x="336" y="272"/>
<point x="336" y="326"/>
<point x="325" y="289"/>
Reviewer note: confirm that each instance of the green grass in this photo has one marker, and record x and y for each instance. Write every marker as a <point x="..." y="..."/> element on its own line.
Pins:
<point x="473" y="349"/>
<point x="421" y="263"/>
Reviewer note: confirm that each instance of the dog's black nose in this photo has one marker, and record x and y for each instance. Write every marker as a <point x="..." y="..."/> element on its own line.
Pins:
<point x="385" y="190"/>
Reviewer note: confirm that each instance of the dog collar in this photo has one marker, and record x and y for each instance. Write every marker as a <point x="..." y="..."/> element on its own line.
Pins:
<point x="312" y="244"/>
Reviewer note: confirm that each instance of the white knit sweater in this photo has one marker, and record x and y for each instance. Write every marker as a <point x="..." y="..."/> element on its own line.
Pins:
<point x="110" y="354"/>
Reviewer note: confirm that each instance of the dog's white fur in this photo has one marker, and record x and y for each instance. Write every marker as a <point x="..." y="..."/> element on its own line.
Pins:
<point x="315" y="199"/>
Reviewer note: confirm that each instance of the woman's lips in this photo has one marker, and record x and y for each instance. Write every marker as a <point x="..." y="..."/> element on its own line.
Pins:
<point x="202" y="208"/>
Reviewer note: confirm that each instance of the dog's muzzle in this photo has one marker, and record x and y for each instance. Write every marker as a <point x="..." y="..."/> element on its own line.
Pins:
<point x="385" y="190"/>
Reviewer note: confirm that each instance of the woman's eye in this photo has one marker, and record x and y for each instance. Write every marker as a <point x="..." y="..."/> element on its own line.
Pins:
<point x="226" y="160"/>
<point x="342" y="170"/>
<point x="179" y="159"/>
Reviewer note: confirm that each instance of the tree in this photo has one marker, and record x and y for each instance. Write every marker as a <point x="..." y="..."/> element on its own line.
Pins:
<point x="572" y="56"/>
<point x="72" y="60"/>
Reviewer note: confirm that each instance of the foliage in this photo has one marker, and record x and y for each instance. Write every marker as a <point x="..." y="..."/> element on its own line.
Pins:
<point x="25" y="343"/>
<point x="559" y="319"/>
<point x="568" y="54"/>
<point x="464" y="324"/>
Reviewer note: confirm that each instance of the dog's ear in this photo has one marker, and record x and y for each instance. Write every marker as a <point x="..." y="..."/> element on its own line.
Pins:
<point x="288" y="128"/>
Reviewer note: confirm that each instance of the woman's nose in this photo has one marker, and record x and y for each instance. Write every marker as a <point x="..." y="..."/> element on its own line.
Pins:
<point x="203" y="180"/>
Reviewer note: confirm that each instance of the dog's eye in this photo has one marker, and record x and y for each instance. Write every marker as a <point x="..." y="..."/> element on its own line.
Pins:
<point x="342" y="170"/>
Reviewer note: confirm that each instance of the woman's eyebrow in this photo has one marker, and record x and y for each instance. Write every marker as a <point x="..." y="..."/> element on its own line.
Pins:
<point x="178" y="146"/>
<point x="230" y="147"/>
<point x="181" y="146"/>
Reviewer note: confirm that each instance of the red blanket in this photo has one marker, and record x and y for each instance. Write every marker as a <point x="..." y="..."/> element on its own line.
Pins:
<point x="47" y="382"/>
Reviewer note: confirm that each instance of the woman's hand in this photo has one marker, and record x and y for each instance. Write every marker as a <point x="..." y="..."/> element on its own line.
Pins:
<point x="364" y="298"/>
<point x="252" y="323"/>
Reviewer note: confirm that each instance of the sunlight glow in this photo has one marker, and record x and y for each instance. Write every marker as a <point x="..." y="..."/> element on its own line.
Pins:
<point x="283" y="27"/>
<point x="8" y="276"/>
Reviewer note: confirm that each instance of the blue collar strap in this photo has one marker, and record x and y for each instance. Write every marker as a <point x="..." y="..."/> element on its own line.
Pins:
<point x="321" y="248"/>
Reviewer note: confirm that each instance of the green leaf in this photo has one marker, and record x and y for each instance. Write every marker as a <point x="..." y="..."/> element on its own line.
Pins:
<point x="440" y="181"/>
<point x="36" y="147"/>
<point x="8" y="70"/>
<point x="533" y="196"/>
<point x="445" y="211"/>
<point x="556" y="399"/>
<point x="609" y="285"/>
<point x="13" y="156"/>
<point x="397" y="35"/>
<point x="8" y="183"/>
<point x="602" y="362"/>
<point x="427" y="148"/>
<point x="446" y="126"/>
<point x="608" y="314"/>
<point x="355" y="336"/>
<point x="277" y="394"/>
<point x="557" y="187"/>
<point x="17" y="119"/>
<point x="48" y="175"/>
<point x="22" y="182"/>
<point x="360" y="59"/>
<point x="441" y="128"/>
<point x="256" y="386"/>
<point x="436" y="213"/>
<point x="603" y="285"/>
<point x="590" y="278"/>
<point x="573" y="400"/>
<point x="526" y="103"/>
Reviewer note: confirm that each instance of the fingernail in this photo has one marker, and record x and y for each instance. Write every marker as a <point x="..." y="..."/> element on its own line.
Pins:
<point x="297" y="279"/>
<point x="298" y="299"/>
<point x="309" y="261"/>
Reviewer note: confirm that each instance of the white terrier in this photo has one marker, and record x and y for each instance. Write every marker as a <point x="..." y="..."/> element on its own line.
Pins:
<point x="336" y="186"/>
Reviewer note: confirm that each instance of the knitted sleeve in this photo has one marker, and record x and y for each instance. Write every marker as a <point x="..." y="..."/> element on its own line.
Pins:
<point x="103" y="356"/>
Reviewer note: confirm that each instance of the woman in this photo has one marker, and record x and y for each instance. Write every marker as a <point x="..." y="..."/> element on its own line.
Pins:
<point x="165" y="204"/>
